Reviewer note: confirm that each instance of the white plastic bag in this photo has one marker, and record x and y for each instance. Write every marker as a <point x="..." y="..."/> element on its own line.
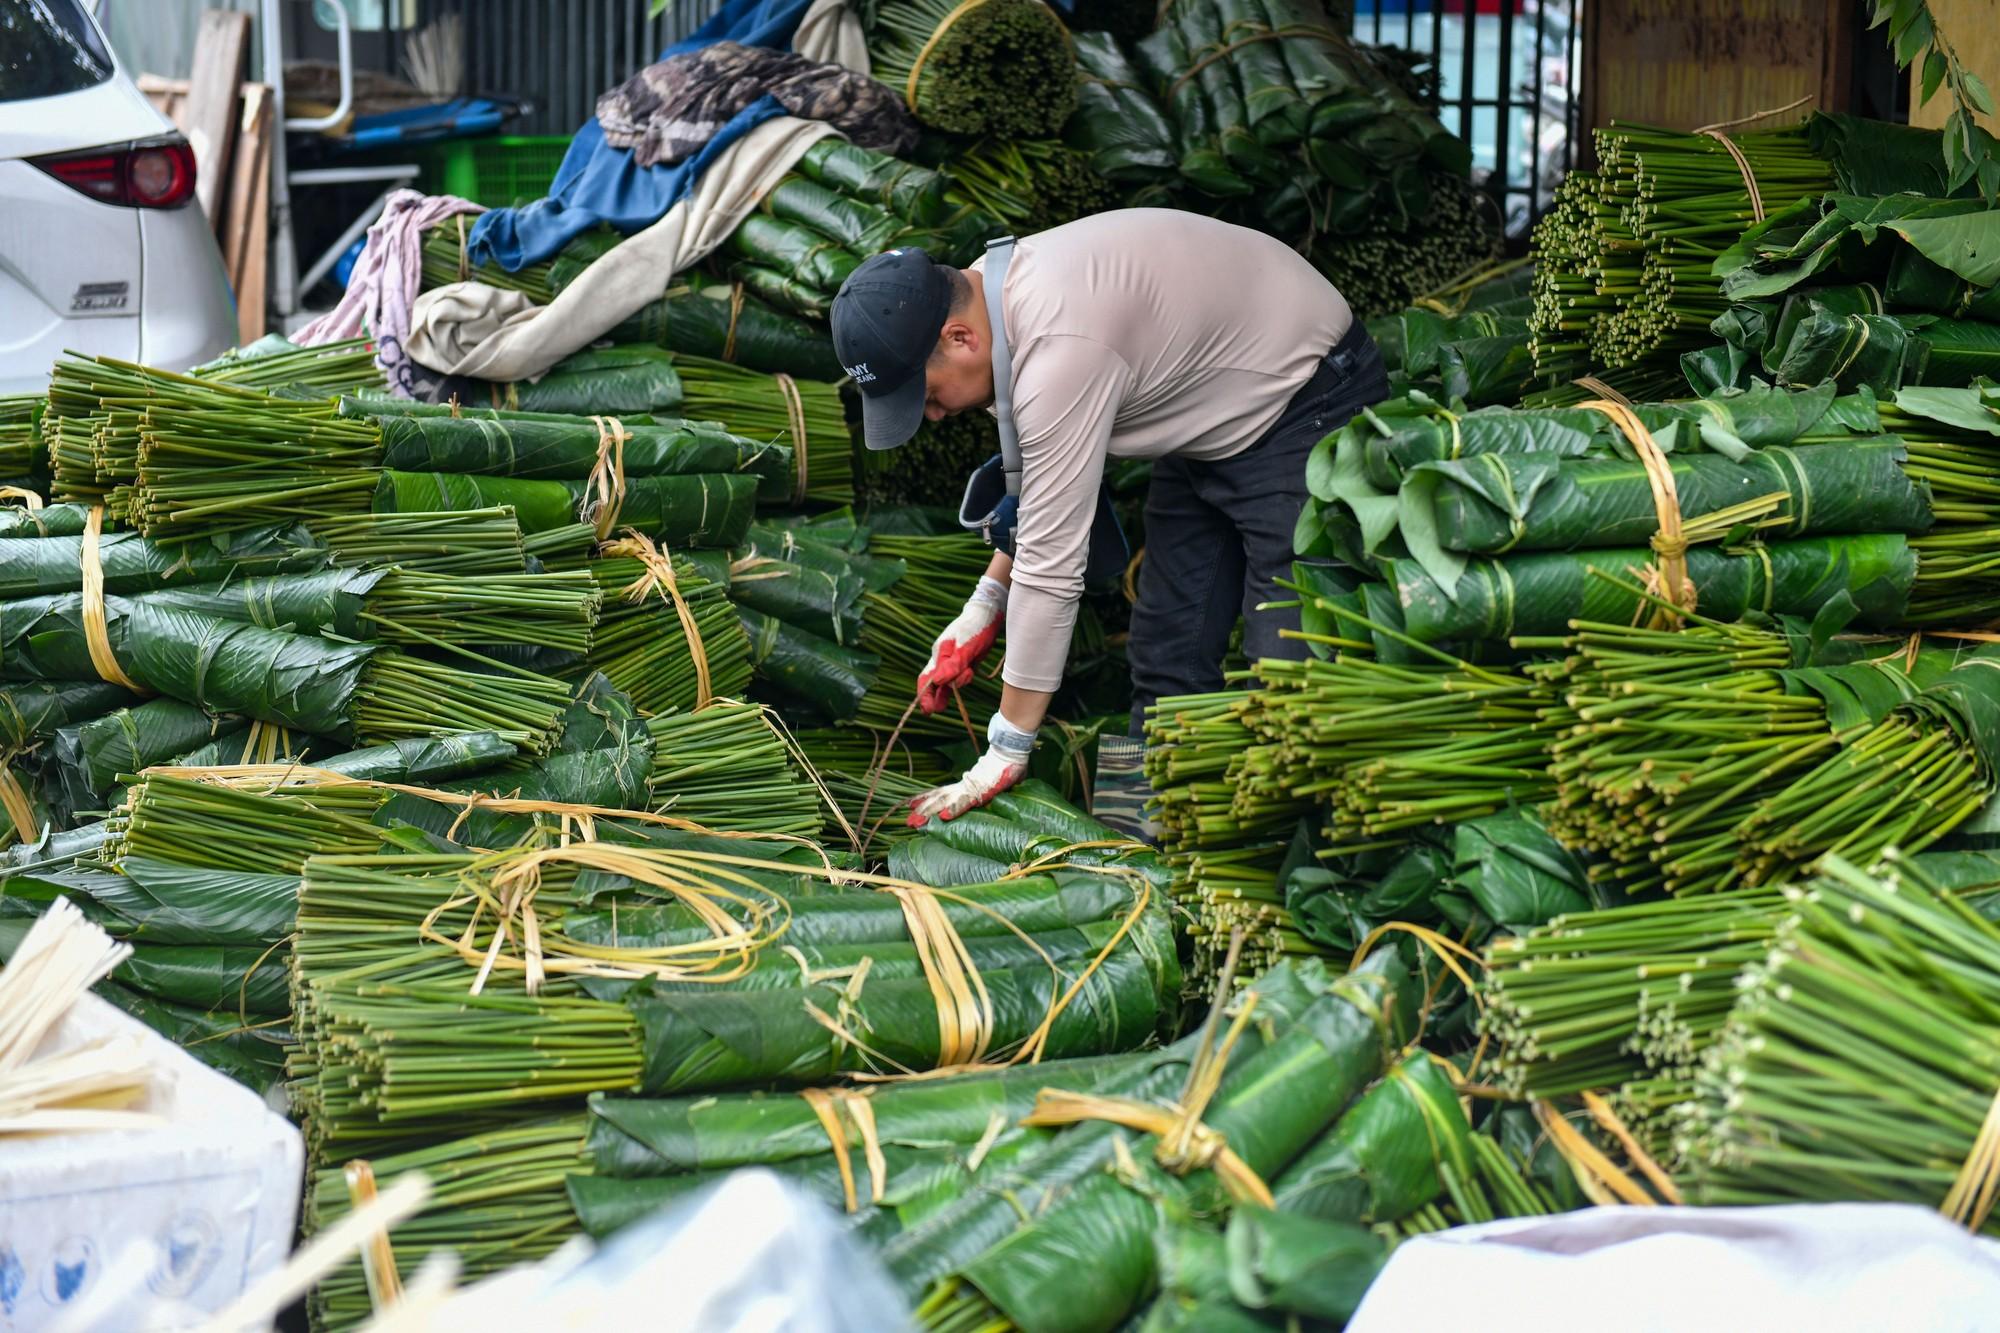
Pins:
<point x="1828" y="1268"/>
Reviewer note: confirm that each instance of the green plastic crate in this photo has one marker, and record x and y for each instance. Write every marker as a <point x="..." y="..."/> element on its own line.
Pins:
<point x="497" y="171"/>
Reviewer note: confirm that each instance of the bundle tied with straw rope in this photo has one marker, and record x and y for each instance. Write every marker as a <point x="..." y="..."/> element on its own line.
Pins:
<point x="1001" y="67"/>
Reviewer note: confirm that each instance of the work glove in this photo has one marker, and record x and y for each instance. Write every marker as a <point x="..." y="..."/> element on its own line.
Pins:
<point x="964" y="641"/>
<point x="1003" y="764"/>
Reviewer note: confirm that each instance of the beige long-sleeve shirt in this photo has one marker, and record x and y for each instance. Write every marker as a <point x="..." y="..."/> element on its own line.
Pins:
<point x="1139" y="333"/>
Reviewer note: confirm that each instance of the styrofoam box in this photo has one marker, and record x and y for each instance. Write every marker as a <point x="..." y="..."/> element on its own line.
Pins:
<point x="146" y="1229"/>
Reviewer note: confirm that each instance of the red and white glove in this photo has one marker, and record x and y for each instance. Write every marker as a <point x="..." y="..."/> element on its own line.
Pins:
<point x="1003" y="764"/>
<point x="964" y="641"/>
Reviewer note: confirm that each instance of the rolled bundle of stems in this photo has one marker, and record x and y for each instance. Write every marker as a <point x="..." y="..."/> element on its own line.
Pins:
<point x="642" y="644"/>
<point x="497" y="1199"/>
<point x="400" y="695"/>
<point x="446" y="261"/>
<point x="756" y="406"/>
<point x="191" y="822"/>
<point x="728" y="767"/>
<point x="1860" y="1061"/>
<point x="1627" y="999"/>
<point x="204" y="470"/>
<point x="1661" y="740"/>
<point x="901" y="626"/>
<point x="334" y="368"/>
<point x="1394" y="749"/>
<point x="1958" y="574"/>
<point x="1031" y="184"/>
<point x="465" y="543"/>
<point x="1622" y="275"/>
<point x="557" y="611"/>
<point x="20" y="434"/>
<point x="1392" y="260"/>
<point x="1003" y="67"/>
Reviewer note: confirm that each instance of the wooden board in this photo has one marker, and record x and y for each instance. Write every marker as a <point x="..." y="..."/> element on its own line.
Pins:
<point x="221" y="48"/>
<point x="1973" y="29"/>
<point x="1703" y="62"/>
<point x="246" y="231"/>
<point x="168" y="96"/>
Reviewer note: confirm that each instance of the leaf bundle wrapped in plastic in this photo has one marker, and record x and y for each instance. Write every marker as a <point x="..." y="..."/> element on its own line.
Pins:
<point x="1541" y="594"/>
<point x="609" y="381"/>
<point x="31" y="566"/>
<point x="911" y="192"/>
<point x="705" y="509"/>
<point x="1117" y="121"/>
<point x="996" y="67"/>
<point x="291" y="680"/>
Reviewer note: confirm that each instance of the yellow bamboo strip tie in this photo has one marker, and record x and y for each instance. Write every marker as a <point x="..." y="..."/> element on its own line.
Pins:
<point x="735" y="313"/>
<point x="1972" y="1193"/>
<point x="1669" y="578"/>
<point x="96" y="633"/>
<point x="1595" y="1172"/>
<point x="14" y="800"/>
<point x="1600" y="1111"/>
<point x="1182" y="1142"/>
<point x="963" y="8"/>
<point x="378" y="1256"/>
<point x="964" y="1008"/>
<point x="29" y="499"/>
<point x="795" y="413"/>
<point x="659" y="578"/>
<point x="1601" y="389"/>
<point x="822" y="1105"/>
<point x="1715" y="132"/>
<point x="604" y="492"/>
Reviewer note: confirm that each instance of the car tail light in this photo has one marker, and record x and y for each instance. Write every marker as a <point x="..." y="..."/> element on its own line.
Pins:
<point x="154" y="173"/>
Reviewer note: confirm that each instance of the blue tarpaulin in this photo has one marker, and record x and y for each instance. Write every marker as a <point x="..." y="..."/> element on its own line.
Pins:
<point x="601" y="184"/>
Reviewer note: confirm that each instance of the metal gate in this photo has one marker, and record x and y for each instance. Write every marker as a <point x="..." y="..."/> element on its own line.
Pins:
<point x="564" y="55"/>
<point x="1507" y="75"/>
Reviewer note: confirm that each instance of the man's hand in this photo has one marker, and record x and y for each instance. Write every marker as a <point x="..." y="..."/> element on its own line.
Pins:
<point x="963" y="643"/>
<point x="1003" y="765"/>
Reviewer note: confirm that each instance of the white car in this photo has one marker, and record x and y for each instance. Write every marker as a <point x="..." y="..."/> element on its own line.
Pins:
<point x="102" y="247"/>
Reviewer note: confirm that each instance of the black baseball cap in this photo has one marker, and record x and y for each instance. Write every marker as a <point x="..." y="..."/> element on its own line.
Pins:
<point x="886" y="321"/>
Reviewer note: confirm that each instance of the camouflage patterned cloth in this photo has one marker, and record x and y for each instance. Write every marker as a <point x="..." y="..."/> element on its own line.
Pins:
<point x="670" y="110"/>
<point x="1120" y="793"/>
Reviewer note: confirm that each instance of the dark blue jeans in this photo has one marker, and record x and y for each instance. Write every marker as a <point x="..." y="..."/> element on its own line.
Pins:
<point x="1219" y="536"/>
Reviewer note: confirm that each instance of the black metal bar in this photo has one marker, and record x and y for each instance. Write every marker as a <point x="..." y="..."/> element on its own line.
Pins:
<point x="1503" y="120"/>
<point x="1535" y="141"/>
<point x="1437" y="45"/>
<point x="1468" y="68"/>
